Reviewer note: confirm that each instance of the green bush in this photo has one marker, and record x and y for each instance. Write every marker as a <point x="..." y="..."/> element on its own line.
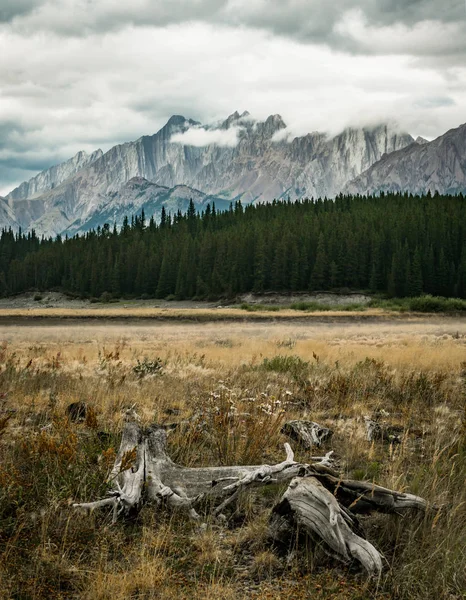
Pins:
<point x="259" y="307"/>
<point x="436" y="304"/>
<point x="148" y="367"/>
<point x="423" y="304"/>
<point x="106" y="297"/>
<point x="293" y="365"/>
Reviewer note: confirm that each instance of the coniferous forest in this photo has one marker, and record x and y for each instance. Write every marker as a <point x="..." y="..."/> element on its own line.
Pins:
<point x="399" y="245"/>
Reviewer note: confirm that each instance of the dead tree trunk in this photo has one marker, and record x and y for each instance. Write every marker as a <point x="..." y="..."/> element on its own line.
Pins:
<point x="318" y="499"/>
<point x="307" y="433"/>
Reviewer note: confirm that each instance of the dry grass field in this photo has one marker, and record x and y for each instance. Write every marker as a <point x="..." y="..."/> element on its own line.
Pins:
<point x="248" y="377"/>
<point x="191" y="314"/>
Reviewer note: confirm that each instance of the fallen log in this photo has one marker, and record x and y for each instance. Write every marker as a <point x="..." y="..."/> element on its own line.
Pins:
<point x="317" y="498"/>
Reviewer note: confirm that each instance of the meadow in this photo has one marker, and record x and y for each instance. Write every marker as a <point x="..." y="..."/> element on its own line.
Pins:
<point x="249" y="377"/>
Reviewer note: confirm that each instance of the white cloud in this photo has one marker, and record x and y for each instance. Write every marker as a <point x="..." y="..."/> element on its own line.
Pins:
<point x="200" y="137"/>
<point x="283" y="135"/>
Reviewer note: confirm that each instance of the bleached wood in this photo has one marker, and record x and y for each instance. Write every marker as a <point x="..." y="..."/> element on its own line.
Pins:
<point x="321" y="501"/>
<point x="308" y="505"/>
<point x="364" y="497"/>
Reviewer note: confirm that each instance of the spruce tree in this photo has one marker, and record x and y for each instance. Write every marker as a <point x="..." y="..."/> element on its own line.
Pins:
<point x="319" y="273"/>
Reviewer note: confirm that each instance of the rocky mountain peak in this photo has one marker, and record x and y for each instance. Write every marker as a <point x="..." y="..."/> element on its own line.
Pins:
<point x="233" y="119"/>
<point x="176" y="124"/>
<point x="272" y="124"/>
<point x="176" y="121"/>
<point x="146" y="172"/>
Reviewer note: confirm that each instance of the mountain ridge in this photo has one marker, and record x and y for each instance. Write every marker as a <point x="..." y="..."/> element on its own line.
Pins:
<point x="436" y="166"/>
<point x="263" y="163"/>
<point x="55" y="175"/>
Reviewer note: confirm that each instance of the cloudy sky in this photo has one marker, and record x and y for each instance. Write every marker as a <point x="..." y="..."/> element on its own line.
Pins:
<point x="83" y="74"/>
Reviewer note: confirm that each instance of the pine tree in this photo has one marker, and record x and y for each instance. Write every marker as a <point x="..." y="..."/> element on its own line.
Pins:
<point x="415" y="285"/>
<point x="319" y="273"/>
<point x="259" y="265"/>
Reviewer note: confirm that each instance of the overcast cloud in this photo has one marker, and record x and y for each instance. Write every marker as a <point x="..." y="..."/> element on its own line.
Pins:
<point x="83" y="74"/>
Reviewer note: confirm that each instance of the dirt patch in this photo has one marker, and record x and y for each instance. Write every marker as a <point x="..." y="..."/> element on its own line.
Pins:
<point x="50" y="300"/>
<point x="324" y="298"/>
<point x="36" y="300"/>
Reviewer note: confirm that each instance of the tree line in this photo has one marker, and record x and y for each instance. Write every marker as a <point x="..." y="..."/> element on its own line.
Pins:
<point x="395" y="244"/>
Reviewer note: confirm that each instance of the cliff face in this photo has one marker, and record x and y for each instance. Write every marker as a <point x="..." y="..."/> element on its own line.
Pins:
<point x="52" y="177"/>
<point x="439" y="165"/>
<point x="260" y="166"/>
<point x="7" y="216"/>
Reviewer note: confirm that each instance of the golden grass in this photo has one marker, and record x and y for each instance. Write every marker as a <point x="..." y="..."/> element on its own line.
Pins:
<point x="190" y="314"/>
<point x="336" y="373"/>
<point x="428" y="343"/>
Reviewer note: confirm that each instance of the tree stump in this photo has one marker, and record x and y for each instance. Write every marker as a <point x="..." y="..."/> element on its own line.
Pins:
<point x="317" y="499"/>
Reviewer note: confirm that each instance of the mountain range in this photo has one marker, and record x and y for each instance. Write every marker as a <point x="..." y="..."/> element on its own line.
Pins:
<point x="237" y="159"/>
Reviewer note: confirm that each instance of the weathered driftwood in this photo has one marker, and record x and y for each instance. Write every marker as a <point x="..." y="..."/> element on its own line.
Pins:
<point x="307" y="433"/>
<point x="319" y="500"/>
<point x="142" y="465"/>
<point x="308" y="506"/>
<point x="361" y="497"/>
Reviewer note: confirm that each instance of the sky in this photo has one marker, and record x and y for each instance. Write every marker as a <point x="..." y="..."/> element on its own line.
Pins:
<point x="87" y="74"/>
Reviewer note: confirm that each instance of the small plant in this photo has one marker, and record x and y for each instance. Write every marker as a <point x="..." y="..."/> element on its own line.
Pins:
<point x="55" y="362"/>
<point x="289" y="343"/>
<point x="106" y="297"/>
<point x="111" y="365"/>
<point x="259" y="307"/>
<point x="91" y="418"/>
<point x="128" y="459"/>
<point x="148" y="367"/>
<point x="293" y="365"/>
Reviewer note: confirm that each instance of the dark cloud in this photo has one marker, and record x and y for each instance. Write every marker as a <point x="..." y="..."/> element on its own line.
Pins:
<point x="9" y="10"/>
<point x="11" y="177"/>
<point x="305" y="20"/>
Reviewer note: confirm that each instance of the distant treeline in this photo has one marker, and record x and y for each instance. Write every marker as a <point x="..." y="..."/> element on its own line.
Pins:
<point x="398" y="244"/>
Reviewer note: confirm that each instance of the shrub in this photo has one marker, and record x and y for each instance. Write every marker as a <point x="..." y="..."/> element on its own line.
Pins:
<point x="259" y="307"/>
<point x="436" y="304"/>
<point x="148" y="367"/>
<point x="106" y="297"/>
<point x="424" y="304"/>
<point x="292" y="365"/>
<point x="309" y="306"/>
